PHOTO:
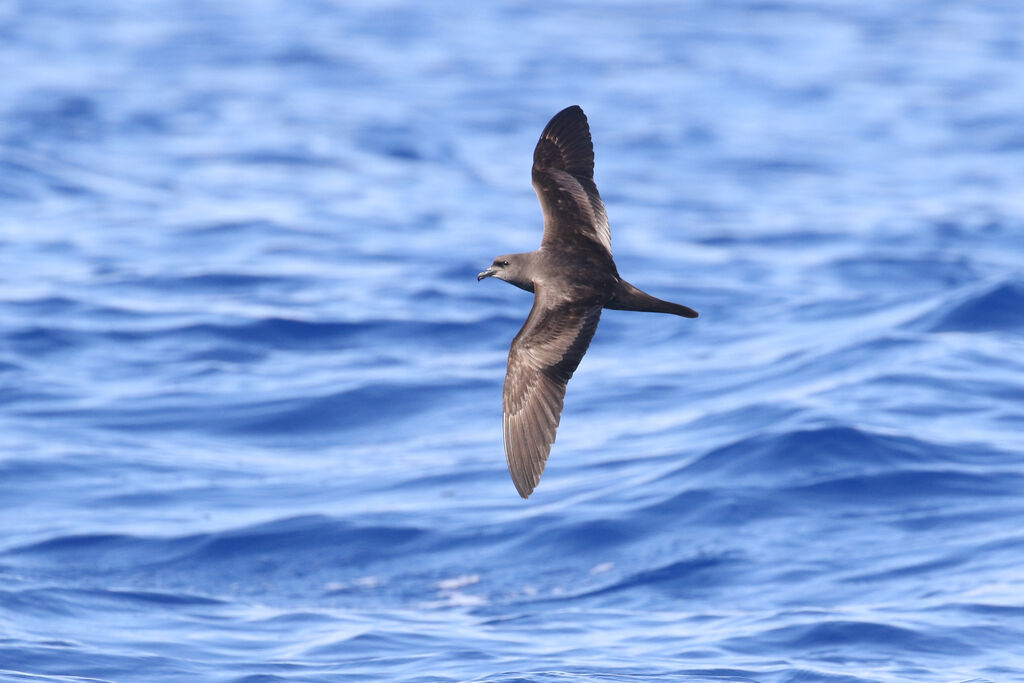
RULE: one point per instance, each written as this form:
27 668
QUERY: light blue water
250 388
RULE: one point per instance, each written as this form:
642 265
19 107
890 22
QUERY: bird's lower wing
543 357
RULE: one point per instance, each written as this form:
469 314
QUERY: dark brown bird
572 277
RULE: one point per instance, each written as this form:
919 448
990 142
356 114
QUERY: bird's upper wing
563 176
543 357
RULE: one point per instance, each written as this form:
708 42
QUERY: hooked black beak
487 273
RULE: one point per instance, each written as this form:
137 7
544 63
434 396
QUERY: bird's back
584 274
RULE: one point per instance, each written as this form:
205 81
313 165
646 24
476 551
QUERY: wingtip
570 115
523 486
566 144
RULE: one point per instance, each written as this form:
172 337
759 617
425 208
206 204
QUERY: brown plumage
572 277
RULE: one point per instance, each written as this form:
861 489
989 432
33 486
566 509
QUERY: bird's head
512 268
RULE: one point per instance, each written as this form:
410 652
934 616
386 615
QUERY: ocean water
250 389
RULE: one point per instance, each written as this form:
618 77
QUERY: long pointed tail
629 298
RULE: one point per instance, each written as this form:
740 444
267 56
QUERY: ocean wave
880 638
808 454
994 308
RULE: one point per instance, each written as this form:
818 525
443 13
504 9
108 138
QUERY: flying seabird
572 277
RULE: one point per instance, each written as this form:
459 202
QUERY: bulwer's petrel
572 277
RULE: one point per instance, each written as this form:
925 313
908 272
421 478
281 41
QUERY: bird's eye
504 263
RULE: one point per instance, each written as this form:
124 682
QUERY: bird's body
572 277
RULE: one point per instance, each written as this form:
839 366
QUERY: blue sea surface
250 389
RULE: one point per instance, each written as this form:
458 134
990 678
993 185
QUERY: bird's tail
629 298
